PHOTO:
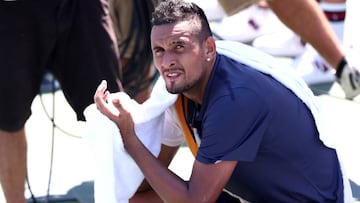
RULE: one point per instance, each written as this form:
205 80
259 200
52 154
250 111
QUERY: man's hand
349 79
112 108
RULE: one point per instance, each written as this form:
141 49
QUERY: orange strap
188 135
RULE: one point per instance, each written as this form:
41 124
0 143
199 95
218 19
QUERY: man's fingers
100 98
122 111
117 103
102 87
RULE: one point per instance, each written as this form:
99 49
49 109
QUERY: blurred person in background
131 19
305 18
72 39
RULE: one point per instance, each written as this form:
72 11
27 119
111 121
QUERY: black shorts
73 39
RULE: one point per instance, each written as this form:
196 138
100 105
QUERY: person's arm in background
306 19
132 29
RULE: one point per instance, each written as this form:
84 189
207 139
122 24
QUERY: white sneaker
312 69
211 8
247 24
284 43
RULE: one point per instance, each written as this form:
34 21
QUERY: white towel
117 176
288 77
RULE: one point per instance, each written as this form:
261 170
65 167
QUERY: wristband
340 67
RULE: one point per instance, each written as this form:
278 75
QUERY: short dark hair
171 11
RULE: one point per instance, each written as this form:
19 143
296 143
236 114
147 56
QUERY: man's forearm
158 176
306 19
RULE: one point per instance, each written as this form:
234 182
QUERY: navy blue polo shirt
250 117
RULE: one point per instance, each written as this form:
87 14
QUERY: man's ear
210 47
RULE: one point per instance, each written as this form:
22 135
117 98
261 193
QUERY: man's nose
168 60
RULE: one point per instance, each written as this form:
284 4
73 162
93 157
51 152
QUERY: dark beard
178 90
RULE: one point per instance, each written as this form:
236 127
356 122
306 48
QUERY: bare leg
13 149
306 19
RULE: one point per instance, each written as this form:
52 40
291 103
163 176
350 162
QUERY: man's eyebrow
156 47
170 43
176 42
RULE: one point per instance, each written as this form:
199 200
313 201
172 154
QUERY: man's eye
158 51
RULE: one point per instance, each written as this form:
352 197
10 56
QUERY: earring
208 59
